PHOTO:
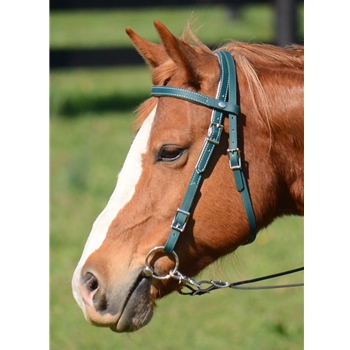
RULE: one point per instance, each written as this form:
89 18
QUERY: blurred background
97 80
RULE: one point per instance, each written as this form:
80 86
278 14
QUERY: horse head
108 283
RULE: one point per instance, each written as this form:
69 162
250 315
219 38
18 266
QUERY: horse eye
170 153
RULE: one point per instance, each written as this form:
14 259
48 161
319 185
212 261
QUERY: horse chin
138 309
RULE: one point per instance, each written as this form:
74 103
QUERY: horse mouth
137 310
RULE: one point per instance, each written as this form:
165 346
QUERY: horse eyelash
171 159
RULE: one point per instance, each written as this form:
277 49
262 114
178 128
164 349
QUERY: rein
225 103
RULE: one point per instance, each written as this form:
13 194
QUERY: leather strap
225 102
235 154
195 97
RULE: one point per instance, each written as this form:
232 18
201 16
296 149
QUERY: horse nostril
92 292
90 281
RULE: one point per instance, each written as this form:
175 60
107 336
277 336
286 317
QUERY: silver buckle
178 226
211 130
233 150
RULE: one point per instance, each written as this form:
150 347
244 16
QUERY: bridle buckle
180 220
232 160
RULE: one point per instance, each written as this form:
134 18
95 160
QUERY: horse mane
265 55
254 59
257 60
257 54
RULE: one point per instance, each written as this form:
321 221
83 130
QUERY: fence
286 28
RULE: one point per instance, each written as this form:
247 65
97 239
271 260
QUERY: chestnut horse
110 283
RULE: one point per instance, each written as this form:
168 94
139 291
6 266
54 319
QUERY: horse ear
184 55
152 53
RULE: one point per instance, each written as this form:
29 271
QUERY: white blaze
125 188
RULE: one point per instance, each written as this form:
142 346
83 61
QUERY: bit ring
148 271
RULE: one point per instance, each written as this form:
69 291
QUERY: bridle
225 103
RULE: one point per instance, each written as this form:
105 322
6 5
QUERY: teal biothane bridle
225 103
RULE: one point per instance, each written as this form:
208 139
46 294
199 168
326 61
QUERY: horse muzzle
125 306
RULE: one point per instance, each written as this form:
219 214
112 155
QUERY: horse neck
274 145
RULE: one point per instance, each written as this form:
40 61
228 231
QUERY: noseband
225 103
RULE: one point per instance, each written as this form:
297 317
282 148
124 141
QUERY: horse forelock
161 74
143 111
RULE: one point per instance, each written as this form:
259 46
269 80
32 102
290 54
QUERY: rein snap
189 286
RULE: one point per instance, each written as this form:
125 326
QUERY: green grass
86 154
97 29
79 91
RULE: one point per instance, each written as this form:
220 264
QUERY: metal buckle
233 150
214 132
178 226
217 125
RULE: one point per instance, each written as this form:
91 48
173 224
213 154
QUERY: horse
251 125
